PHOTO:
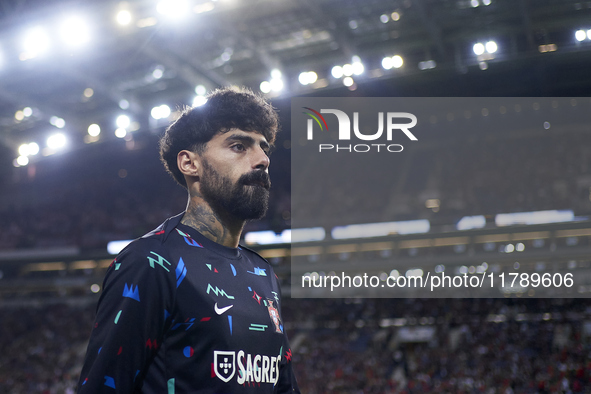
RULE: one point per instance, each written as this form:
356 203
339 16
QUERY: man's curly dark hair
225 109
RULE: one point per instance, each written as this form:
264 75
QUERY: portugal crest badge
274 314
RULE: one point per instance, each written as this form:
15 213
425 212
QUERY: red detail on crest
212 371
96 325
120 350
215 270
288 355
205 319
159 232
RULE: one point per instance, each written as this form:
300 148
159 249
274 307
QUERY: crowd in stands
352 346
352 351
461 177
42 348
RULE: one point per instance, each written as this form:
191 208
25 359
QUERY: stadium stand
354 345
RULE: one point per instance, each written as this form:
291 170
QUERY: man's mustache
260 178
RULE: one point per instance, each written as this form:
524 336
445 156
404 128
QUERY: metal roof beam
337 33
432 28
527 24
192 73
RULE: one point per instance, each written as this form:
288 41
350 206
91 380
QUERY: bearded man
185 309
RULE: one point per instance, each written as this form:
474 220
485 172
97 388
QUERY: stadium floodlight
198 101
56 141
303 78
348 70
276 84
265 86
123 17
337 72
160 112
120 132
478 49
33 148
348 81
307 77
94 130
23 150
276 73
474 3
30 149
173 8
19 115
75 32
589 34
486 2
200 90
164 111
123 121
27 111
157 73
22 160
36 42
123 104
384 18
491 47
397 61
202 8
580 35
387 63
57 122
358 68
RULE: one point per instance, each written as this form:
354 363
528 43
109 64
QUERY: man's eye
238 147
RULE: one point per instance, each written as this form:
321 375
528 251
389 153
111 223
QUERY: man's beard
245 200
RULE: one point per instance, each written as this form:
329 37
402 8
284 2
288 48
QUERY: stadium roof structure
65 65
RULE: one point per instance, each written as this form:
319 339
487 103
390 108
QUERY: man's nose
261 161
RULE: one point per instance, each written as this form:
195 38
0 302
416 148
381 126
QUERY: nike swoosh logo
219 311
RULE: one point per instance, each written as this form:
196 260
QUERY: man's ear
189 164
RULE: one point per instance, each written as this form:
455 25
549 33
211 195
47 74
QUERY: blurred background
87 88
